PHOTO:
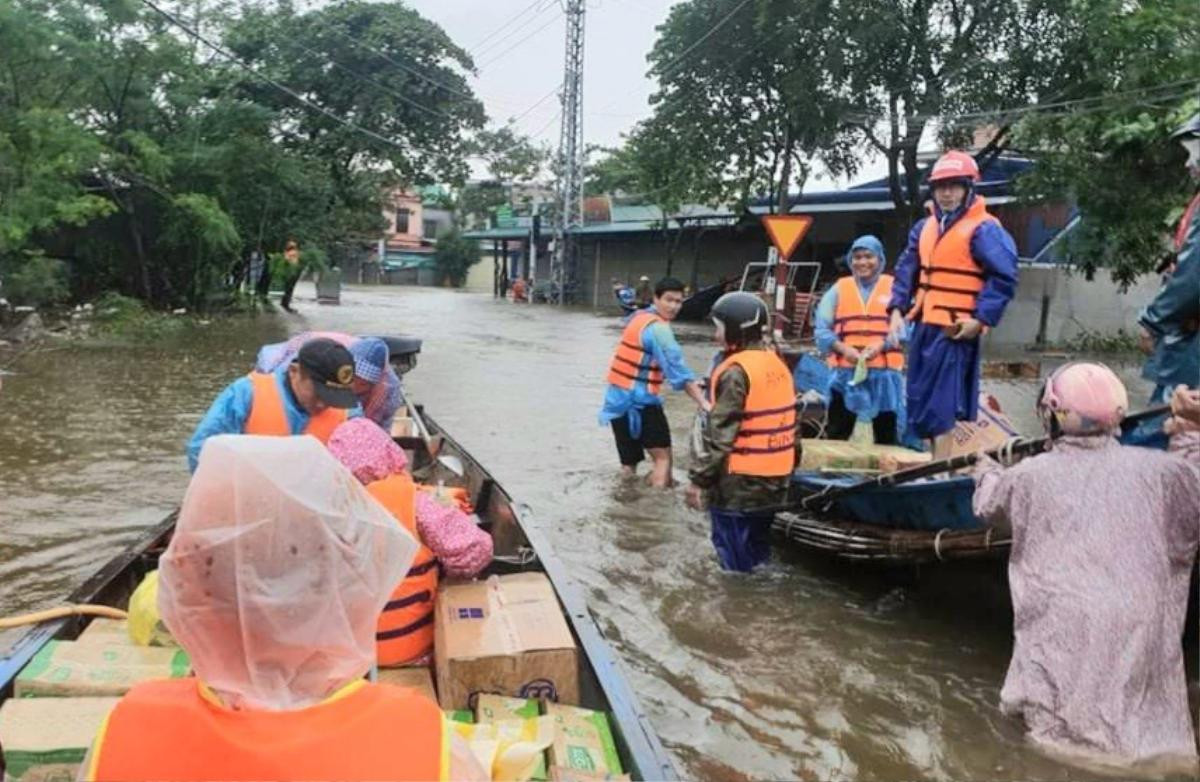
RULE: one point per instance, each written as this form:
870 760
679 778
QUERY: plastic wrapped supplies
279 566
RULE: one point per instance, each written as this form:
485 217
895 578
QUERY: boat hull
518 546
927 505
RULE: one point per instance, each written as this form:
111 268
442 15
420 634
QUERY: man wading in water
646 356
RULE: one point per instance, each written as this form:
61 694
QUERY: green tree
1111 154
509 155
455 256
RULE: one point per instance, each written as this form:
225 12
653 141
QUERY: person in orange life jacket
273 583
750 435
647 355
850 324
955 277
311 395
404 635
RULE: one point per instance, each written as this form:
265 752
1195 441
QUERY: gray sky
518 48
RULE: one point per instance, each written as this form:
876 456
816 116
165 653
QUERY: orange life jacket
268 416
766 438
630 362
864 325
950 280
168 730
405 630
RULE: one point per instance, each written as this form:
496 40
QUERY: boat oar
1017 447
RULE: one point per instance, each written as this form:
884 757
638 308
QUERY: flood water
807 669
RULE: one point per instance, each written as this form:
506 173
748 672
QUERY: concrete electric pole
570 157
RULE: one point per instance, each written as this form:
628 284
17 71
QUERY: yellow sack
509 749
145 625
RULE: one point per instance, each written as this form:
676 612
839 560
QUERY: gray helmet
743 315
1189 128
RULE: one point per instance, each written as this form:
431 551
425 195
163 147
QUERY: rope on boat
37 617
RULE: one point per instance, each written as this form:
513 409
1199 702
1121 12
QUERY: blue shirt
659 341
991 247
231 409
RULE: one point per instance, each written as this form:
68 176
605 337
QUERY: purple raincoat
1104 537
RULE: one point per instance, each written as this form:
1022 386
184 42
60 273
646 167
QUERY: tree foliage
150 164
1111 156
455 256
754 94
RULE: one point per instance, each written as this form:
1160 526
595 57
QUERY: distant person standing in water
292 273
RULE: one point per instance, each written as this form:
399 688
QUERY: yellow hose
36 617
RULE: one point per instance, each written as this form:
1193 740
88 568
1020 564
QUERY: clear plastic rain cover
277 572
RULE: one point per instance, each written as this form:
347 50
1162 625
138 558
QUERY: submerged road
807 669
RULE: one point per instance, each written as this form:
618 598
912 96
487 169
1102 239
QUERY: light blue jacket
231 409
659 341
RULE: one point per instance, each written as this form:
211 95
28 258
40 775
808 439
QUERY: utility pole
570 155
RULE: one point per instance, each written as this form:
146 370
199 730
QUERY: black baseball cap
332 369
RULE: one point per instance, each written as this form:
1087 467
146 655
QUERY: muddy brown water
807 669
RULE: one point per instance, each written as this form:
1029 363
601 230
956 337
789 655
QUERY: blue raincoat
231 409
883 390
943 374
659 341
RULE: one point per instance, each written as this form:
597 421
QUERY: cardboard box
506 635
990 429
560 774
836 455
104 632
494 708
69 668
46 739
582 740
417 678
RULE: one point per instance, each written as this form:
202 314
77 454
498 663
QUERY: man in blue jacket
956 276
647 357
1169 323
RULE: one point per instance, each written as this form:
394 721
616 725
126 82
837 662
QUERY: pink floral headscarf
366 450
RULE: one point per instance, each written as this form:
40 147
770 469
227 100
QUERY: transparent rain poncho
277 572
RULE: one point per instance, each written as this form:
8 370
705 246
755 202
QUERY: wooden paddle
1019 447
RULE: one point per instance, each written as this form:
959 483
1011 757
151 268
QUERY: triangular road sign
786 232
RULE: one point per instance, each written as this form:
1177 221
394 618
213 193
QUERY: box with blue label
507 636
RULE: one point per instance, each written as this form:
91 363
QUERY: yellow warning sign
786 232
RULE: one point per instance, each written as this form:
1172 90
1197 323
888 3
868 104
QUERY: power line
371 80
407 68
678 58
265 79
508 22
497 42
501 55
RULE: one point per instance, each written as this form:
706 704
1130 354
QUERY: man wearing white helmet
1103 540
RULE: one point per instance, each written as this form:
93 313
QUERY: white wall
1075 306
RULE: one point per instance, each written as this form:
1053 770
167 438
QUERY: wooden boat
603 684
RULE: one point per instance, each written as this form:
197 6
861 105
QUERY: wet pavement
807 669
